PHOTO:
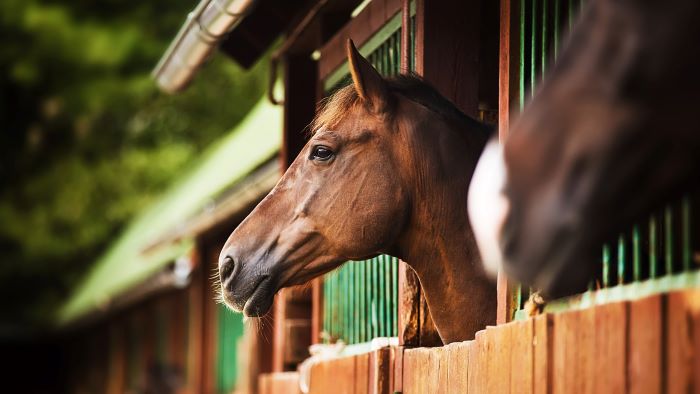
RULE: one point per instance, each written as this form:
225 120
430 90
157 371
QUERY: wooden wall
649 345
367 373
279 383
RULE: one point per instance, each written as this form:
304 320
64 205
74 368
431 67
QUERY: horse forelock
333 109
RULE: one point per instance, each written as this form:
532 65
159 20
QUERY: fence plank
611 323
443 370
564 329
458 366
522 356
645 345
410 371
362 374
584 345
542 354
573 346
499 358
683 343
476 364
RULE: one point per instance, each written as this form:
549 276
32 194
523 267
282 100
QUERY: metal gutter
204 28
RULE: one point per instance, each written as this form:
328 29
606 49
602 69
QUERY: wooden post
210 319
507 106
278 337
448 48
300 103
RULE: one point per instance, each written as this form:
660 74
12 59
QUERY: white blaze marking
487 206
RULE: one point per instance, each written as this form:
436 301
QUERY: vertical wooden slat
522 356
569 328
278 342
409 367
477 379
458 367
682 328
645 345
500 357
543 356
610 347
361 378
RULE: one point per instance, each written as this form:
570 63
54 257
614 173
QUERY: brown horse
612 134
386 171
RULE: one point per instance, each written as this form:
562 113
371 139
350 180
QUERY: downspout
206 25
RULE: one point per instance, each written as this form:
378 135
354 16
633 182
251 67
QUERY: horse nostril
226 268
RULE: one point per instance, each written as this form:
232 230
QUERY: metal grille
661 247
230 331
361 298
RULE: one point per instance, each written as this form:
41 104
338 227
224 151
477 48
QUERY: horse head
341 199
384 171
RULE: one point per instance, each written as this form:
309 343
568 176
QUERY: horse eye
321 153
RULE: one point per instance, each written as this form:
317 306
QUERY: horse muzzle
245 291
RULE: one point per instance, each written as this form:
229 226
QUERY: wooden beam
300 103
278 337
360 29
508 105
316 310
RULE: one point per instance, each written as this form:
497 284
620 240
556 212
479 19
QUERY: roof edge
204 28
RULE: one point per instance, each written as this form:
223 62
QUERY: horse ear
370 86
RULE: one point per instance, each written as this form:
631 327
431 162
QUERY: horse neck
439 244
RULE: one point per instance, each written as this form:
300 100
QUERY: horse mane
333 108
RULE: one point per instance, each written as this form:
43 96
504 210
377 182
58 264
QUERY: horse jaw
487 206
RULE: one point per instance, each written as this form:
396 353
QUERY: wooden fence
648 345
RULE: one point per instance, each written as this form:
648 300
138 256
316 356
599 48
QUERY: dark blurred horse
612 134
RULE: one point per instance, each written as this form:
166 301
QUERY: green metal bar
362 303
571 14
387 295
382 303
327 299
386 60
375 302
344 308
377 40
636 254
521 93
606 266
368 290
533 49
556 28
358 300
353 303
338 304
412 46
687 245
325 303
543 66
621 260
668 239
653 252
396 297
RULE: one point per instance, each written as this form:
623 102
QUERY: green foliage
87 140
